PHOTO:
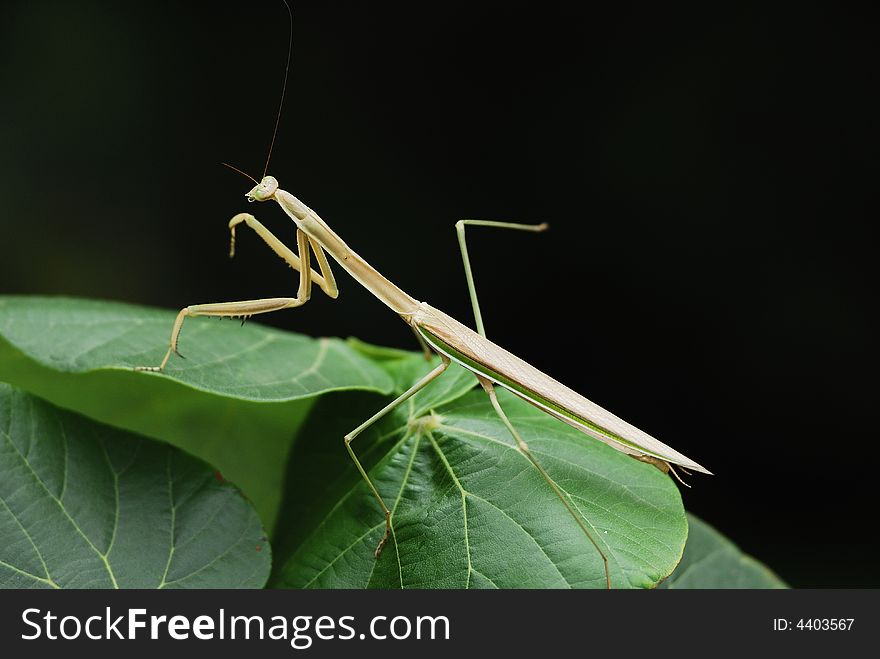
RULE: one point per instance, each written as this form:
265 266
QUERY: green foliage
269 409
85 505
470 511
712 561
236 402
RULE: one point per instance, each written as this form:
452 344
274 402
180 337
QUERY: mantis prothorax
439 333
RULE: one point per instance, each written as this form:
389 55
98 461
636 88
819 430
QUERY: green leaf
237 400
83 505
469 510
712 561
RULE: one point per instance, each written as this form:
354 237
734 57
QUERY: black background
709 173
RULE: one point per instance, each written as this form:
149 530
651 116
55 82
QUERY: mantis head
264 190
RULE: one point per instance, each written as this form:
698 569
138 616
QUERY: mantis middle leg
421 384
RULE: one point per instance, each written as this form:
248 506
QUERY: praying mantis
437 333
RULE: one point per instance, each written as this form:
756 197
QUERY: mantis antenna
280 104
283 87
236 169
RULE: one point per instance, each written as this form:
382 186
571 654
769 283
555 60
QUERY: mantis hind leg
462 243
421 384
524 449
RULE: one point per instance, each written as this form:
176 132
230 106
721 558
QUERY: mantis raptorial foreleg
524 449
248 308
421 384
325 280
459 228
